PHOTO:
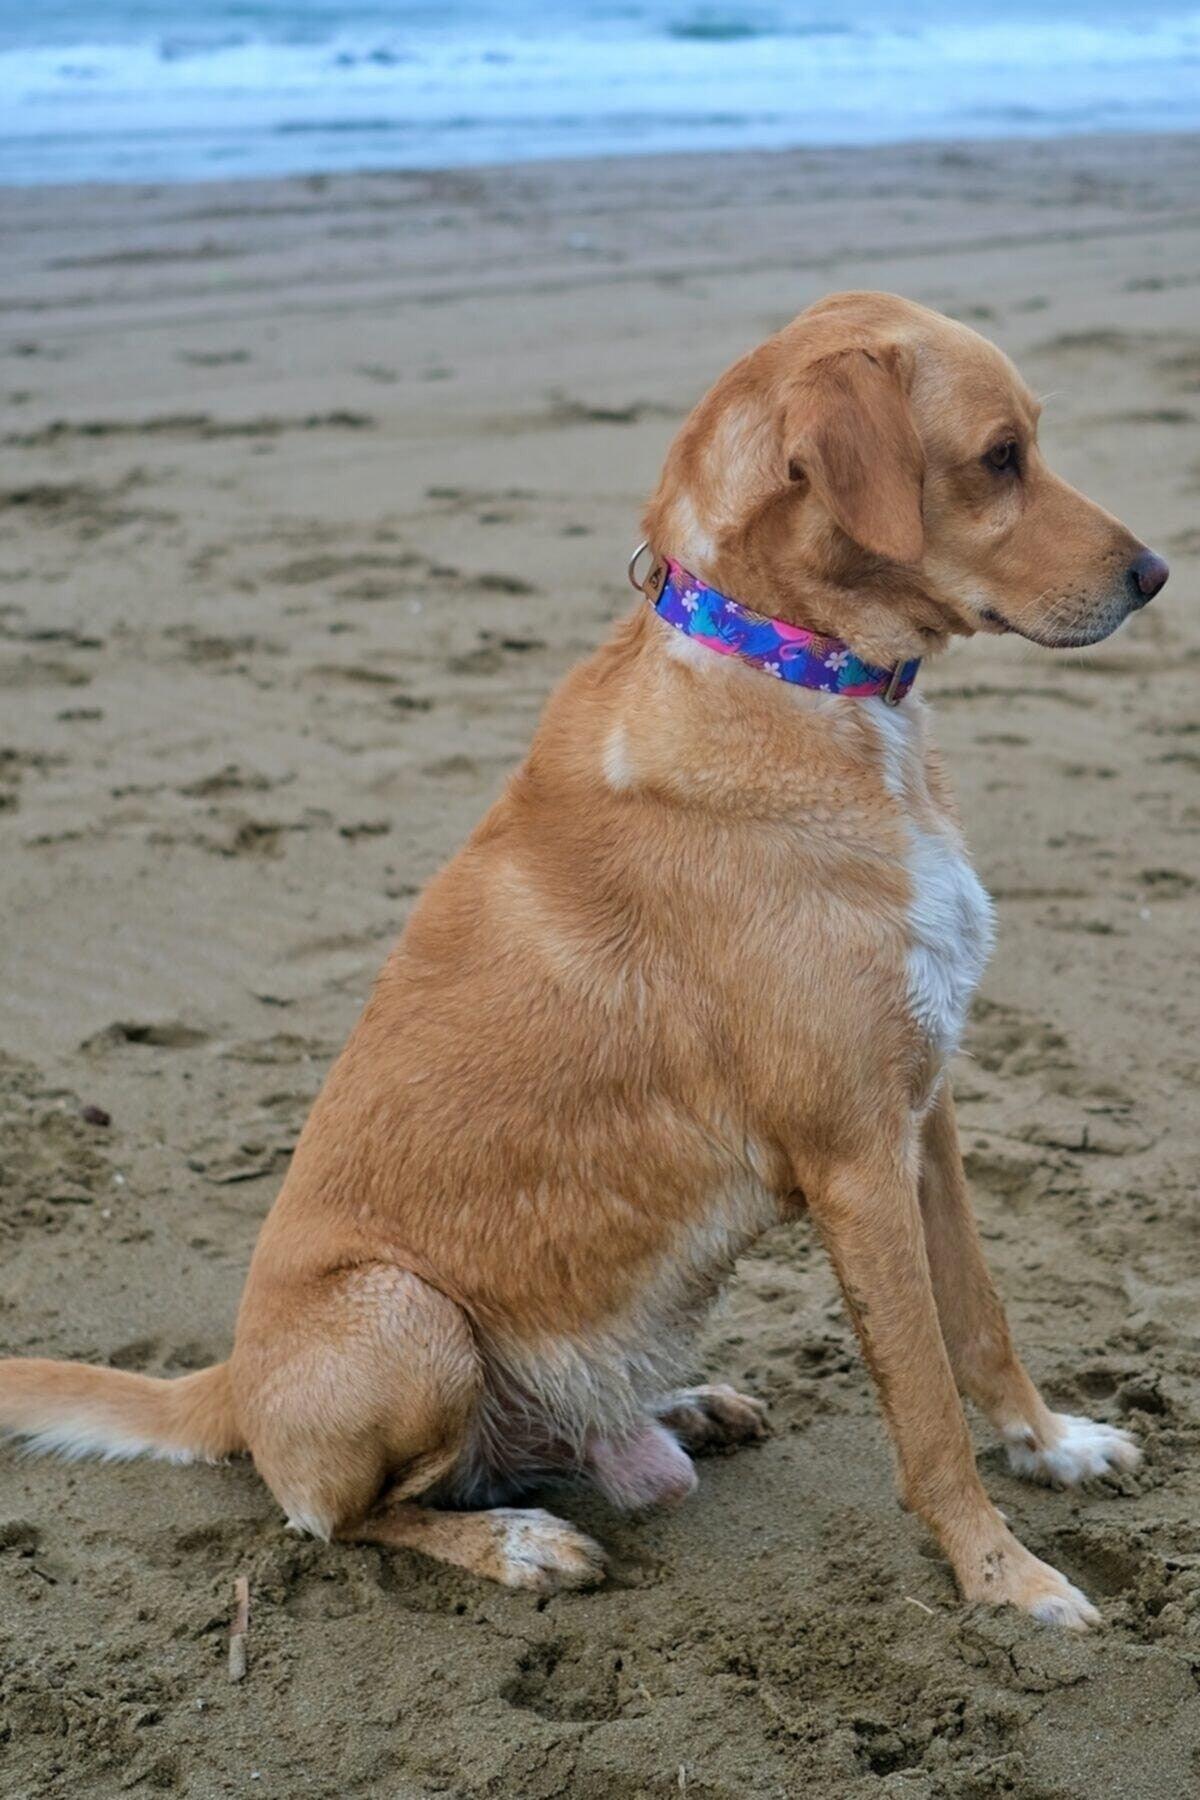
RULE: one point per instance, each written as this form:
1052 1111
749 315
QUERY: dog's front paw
1081 1450
1005 1573
714 1418
1051 1599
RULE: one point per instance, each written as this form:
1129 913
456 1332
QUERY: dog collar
785 651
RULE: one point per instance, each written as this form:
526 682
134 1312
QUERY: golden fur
698 968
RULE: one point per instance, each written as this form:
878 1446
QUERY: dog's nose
1146 574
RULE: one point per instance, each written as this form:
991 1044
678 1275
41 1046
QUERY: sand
309 491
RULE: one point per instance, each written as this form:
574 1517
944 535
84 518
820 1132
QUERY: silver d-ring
632 566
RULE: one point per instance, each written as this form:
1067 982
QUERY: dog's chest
950 924
950 936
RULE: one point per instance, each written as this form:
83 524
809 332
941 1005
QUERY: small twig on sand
920 1603
239 1626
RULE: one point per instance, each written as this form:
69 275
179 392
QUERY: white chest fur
950 936
950 917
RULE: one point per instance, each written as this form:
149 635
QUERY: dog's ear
849 433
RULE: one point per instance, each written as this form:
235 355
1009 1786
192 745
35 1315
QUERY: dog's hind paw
1081 1450
713 1418
532 1549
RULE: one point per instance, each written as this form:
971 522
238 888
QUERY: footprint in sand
213 359
1166 884
1007 1042
306 571
200 647
355 674
447 768
279 1048
491 653
51 1164
200 427
159 1034
85 508
14 765
561 1680
25 672
232 779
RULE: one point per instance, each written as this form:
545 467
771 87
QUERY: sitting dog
699 969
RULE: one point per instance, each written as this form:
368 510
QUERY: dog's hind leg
519 1546
363 1400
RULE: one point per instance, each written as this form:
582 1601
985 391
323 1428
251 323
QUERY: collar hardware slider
891 694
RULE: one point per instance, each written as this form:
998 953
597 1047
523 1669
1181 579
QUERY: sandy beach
309 492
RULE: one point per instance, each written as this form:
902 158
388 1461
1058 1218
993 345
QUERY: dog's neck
658 712
885 614
720 625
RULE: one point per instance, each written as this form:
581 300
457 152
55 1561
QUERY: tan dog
700 967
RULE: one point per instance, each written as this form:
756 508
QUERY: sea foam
182 93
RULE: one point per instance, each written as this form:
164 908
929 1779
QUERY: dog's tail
76 1410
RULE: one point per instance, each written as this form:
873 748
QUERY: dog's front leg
869 1215
1046 1446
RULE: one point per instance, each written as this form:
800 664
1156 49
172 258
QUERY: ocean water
163 90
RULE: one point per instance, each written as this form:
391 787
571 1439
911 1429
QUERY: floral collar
786 651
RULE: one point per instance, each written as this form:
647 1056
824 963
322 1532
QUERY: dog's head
873 471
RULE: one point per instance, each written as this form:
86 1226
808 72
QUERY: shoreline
1140 138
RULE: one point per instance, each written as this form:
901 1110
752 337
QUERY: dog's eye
1002 457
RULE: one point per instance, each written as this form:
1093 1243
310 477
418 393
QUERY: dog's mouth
1076 640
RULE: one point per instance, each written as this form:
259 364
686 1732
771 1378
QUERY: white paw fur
1081 1450
1068 1609
538 1551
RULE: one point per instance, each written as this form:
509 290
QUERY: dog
698 970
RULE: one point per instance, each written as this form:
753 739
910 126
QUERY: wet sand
309 491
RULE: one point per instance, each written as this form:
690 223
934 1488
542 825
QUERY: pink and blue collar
785 651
